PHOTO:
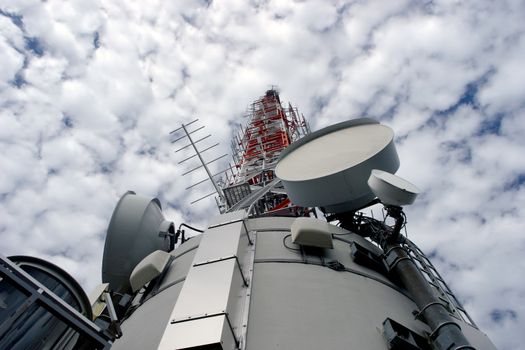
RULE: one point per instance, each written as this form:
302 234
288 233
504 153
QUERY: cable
284 243
180 233
190 227
336 265
341 234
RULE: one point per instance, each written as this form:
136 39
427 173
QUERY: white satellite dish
392 189
330 167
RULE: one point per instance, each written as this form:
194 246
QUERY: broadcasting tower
256 147
291 261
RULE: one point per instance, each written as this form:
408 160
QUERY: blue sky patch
96 40
467 98
16 19
19 80
515 183
501 315
34 45
67 121
459 149
491 125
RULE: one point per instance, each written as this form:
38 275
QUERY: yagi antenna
187 134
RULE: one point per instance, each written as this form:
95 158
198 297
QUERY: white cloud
100 84
11 61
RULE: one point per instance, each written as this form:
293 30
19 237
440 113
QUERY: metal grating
236 193
434 278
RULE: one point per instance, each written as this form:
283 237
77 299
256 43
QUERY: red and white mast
256 147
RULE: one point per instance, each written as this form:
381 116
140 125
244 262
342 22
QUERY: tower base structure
243 284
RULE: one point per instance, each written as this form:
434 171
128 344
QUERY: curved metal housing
56 279
42 306
137 228
293 298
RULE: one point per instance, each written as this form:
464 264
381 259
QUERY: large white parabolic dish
330 167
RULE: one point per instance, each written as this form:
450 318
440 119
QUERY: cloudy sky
89 91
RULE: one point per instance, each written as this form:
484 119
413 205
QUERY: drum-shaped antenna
56 280
30 325
330 167
392 189
137 228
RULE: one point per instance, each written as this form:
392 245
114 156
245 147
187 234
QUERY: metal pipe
193 142
203 197
183 136
193 121
446 333
193 156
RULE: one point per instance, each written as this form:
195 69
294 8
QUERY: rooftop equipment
43 307
329 168
391 189
268 273
137 228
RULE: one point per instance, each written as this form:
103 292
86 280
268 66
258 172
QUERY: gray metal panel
179 268
270 223
300 306
227 218
190 244
210 289
199 332
213 287
219 243
270 247
303 306
144 328
207 289
283 224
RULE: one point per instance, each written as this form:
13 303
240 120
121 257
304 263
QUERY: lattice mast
270 128
256 146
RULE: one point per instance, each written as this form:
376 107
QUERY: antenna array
184 132
256 147
250 183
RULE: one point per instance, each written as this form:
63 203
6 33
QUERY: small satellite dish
392 189
330 167
136 229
